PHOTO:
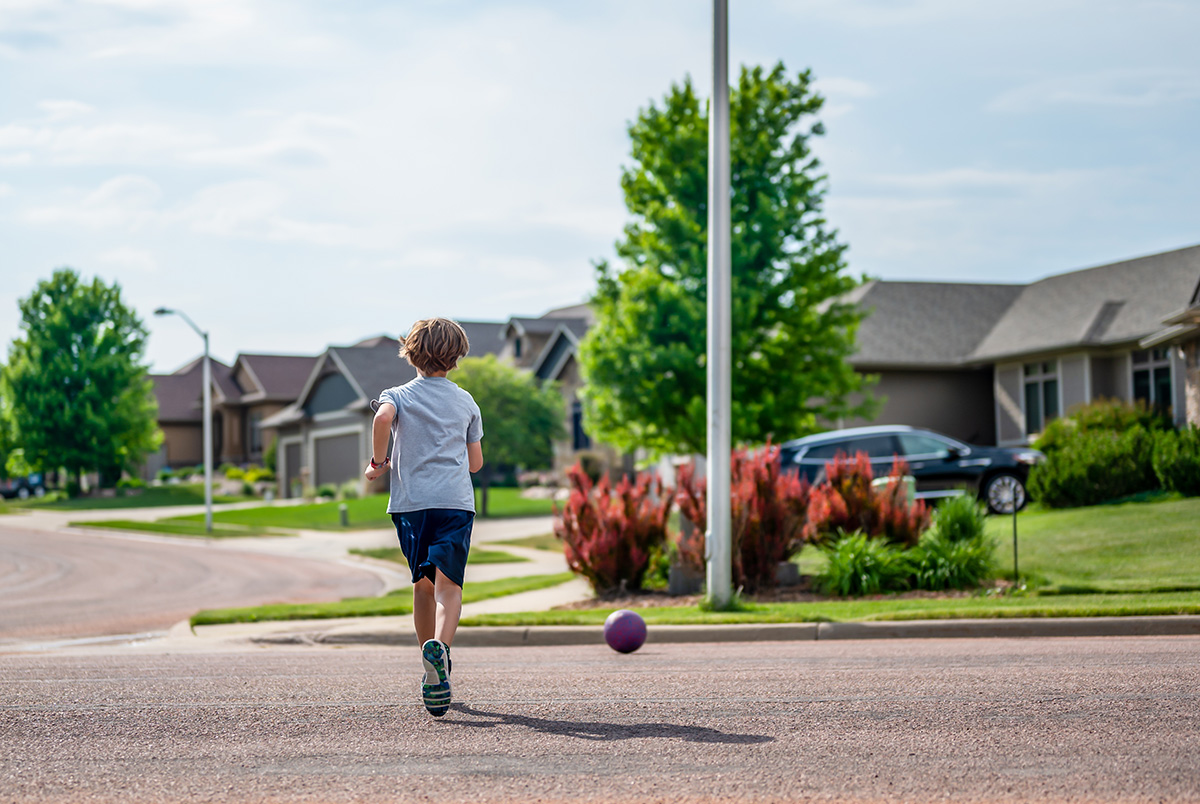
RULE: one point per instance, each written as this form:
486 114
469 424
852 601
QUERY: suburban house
548 347
1183 333
993 363
325 433
253 388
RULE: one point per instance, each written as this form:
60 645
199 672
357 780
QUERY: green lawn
476 556
220 530
152 497
365 513
1113 605
1131 547
398 602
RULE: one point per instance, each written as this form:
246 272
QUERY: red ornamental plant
769 511
609 534
848 502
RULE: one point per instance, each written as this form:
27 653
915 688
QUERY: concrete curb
395 634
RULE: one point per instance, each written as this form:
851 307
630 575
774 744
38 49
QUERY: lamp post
719 539
207 432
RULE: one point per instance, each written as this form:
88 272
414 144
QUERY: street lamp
208 522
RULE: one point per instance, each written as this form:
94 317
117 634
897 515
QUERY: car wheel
1004 493
40 491
23 493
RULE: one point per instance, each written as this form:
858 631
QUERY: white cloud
1107 88
124 202
840 87
57 110
102 144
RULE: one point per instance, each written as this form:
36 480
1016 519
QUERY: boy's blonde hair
434 344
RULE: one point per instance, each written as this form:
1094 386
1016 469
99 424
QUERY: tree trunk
485 480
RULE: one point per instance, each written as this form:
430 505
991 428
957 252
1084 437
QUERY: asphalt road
56 585
1033 720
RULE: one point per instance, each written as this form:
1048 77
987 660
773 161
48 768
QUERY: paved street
1114 719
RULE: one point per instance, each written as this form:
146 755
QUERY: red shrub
769 510
848 501
608 534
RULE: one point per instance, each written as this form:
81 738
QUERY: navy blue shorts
435 537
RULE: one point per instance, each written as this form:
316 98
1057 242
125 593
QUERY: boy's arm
475 456
381 428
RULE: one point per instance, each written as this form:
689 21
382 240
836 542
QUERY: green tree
520 418
80 396
644 360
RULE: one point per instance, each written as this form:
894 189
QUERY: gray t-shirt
435 420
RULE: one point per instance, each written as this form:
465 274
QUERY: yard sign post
718 540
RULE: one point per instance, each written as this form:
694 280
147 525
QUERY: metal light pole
719 539
207 432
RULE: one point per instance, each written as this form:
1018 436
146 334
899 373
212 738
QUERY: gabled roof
926 324
179 394
1112 304
280 378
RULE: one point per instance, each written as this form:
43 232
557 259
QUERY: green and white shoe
435 687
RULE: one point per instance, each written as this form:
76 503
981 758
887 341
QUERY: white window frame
1149 366
1040 378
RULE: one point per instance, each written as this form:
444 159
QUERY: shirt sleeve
475 426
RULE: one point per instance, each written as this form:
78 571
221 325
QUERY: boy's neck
431 374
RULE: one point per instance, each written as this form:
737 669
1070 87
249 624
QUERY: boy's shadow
605 731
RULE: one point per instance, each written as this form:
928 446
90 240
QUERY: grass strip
876 610
394 603
545 541
152 497
171 528
476 556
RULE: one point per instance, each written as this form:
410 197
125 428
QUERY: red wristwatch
386 460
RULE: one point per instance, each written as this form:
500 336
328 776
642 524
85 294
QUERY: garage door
337 458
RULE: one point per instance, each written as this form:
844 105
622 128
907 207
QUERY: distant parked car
22 487
941 466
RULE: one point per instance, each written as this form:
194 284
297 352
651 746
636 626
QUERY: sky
296 174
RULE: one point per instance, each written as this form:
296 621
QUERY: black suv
22 487
941 466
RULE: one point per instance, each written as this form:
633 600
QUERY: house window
1152 378
579 439
517 348
1041 395
254 437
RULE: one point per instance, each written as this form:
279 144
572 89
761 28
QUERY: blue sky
296 174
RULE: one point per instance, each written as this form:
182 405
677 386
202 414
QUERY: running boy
436 428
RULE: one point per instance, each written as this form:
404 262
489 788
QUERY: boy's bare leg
448 596
424 610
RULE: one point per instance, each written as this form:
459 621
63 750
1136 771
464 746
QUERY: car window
880 446
824 452
917 444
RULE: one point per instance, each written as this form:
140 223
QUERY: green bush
859 565
1177 460
1093 467
127 483
271 455
232 472
1102 415
327 490
256 473
349 490
941 563
959 519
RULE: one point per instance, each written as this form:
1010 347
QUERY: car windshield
923 444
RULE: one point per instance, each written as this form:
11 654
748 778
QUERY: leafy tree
644 360
80 396
520 419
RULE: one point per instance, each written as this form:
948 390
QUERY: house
993 363
325 433
253 388
1182 333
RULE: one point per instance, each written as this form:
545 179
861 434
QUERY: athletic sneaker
435 687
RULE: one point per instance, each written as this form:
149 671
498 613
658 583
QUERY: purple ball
625 631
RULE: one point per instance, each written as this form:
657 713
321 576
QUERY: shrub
256 473
609 535
233 472
164 475
131 483
271 454
1099 416
940 562
769 511
1177 460
959 519
848 502
860 565
349 490
1096 466
327 490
